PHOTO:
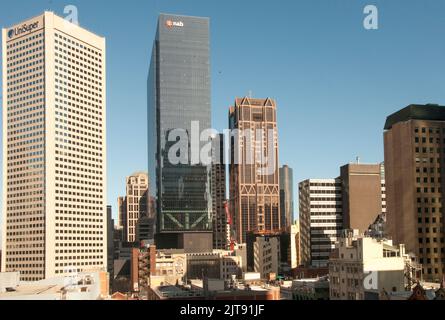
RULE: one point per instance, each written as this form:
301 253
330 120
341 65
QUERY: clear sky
334 81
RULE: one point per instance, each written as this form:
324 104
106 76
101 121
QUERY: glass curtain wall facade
178 95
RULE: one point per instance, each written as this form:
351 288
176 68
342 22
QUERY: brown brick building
362 195
414 169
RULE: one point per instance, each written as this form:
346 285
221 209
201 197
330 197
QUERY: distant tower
134 205
286 196
218 189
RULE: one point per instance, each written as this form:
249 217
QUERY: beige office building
254 190
266 252
134 205
362 263
54 151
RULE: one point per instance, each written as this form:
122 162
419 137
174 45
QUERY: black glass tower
178 95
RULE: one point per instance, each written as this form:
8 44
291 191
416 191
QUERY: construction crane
230 223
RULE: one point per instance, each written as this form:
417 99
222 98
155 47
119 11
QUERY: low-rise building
362 263
264 253
81 286
213 289
240 250
175 266
311 289
303 272
231 266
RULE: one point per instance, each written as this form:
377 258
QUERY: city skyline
354 50
209 215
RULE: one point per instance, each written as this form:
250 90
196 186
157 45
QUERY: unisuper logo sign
25 28
170 24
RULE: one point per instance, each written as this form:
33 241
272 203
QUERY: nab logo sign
170 24
11 33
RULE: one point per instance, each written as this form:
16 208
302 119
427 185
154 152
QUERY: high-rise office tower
363 196
221 232
286 196
321 219
179 109
134 205
254 170
54 149
414 170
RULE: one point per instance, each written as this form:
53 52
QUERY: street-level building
361 263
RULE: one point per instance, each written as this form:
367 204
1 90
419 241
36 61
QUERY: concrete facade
54 149
363 263
266 253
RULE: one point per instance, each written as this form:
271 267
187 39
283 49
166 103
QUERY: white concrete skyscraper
54 149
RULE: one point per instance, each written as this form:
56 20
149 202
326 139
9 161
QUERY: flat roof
181 15
31 290
433 112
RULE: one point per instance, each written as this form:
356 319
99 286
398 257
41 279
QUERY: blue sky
334 81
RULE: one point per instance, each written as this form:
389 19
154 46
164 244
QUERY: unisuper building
54 149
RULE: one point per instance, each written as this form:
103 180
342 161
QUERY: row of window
97 54
26 98
29 56
29 103
26 66
431 240
15 44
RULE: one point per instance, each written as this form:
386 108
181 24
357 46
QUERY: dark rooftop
432 112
